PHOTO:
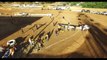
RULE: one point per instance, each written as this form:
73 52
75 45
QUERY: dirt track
72 44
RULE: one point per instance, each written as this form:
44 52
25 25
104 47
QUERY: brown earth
68 44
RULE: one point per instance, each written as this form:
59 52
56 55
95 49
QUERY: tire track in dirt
97 46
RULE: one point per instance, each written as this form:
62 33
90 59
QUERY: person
6 54
56 32
63 17
11 43
22 30
56 22
2 50
47 37
31 42
64 27
39 44
83 26
12 51
59 29
79 23
68 26
86 27
74 27
37 26
9 53
43 39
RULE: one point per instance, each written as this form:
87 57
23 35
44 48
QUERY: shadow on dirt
50 33
10 25
91 20
105 30
40 25
70 55
98 24
77 55
40 34
21 45
100 37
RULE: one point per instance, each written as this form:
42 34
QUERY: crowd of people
95 12
82 27
38 42
9 50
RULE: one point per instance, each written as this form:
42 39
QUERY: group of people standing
69 27
38 43
10 49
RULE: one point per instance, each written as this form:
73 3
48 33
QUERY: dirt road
68 44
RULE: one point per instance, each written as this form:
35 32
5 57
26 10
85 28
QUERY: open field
68 44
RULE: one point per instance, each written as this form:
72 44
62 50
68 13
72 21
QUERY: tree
94 5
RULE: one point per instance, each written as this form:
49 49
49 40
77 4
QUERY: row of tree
90 4
94 5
